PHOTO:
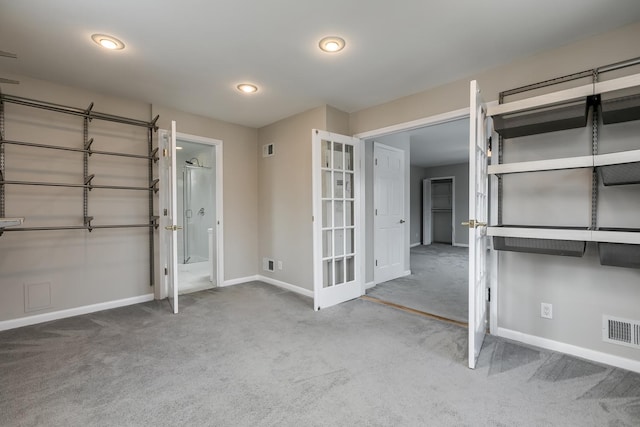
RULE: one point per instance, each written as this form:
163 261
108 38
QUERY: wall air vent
268 150
621 331
268 264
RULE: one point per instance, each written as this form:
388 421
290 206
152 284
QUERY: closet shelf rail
72 185
86 113
80 150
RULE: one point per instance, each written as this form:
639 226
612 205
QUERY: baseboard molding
239 281
462 245
70 312
287 286
413 245
369 285
406 273
585 353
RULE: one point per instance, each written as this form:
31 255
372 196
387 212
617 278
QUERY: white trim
369 285
416 124
218 145
585 353
413 245
70 312
461 245
287 286
406 273
453 204
616 84
239 280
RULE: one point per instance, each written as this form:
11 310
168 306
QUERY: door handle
472 223
402 221
173 227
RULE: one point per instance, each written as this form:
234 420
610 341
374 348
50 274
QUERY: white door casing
338 248
388 216
478 216
168 222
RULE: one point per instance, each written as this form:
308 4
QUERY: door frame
429 215
219 244
404 202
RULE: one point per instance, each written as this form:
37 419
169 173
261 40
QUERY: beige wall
611 47
82 268
285 199
240 185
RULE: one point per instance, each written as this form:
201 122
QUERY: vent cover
621 331
268 264
268 150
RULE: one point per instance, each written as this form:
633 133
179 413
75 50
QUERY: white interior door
337 221
478 214
168 221
389 216
427 238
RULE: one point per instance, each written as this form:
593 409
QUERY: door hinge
165 152
166 271
166 212
376 162
376 211
489 294
376 263
312 218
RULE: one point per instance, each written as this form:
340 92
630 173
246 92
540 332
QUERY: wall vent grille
268 264
268 150
621 331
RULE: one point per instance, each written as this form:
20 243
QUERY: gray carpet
438 283
254 355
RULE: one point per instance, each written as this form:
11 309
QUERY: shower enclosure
198 211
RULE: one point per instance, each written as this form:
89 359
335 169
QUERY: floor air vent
621 331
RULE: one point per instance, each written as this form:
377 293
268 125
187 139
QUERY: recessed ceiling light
332 44
247 88
108 42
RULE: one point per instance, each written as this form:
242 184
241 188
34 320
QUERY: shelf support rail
594 151
85 165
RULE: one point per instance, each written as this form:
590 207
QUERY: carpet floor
438 283
255 355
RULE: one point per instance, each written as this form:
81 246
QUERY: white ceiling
191 54
439 145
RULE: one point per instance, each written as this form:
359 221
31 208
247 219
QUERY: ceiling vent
621 331
268 150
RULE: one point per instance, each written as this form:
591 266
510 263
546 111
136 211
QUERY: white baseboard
287 286
239 280
585 353
462 245
413 245
77 311
406 273
369 285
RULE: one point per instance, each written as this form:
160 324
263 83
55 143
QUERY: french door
478 214
337 223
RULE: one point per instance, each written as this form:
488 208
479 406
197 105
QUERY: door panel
389 222
168 221
478 214
337 223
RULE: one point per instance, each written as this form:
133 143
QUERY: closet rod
89 186
88 113
77 150
619 65
76 227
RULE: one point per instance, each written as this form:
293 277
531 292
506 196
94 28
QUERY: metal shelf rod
76 227
89 186
77 150
76 111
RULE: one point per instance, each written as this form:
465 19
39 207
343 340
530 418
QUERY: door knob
402 221
173 227
472 223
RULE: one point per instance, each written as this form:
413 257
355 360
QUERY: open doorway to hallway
434 279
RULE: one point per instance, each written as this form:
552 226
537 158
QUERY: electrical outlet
279 265
546 310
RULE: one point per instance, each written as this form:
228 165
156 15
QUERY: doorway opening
434 279
197 212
